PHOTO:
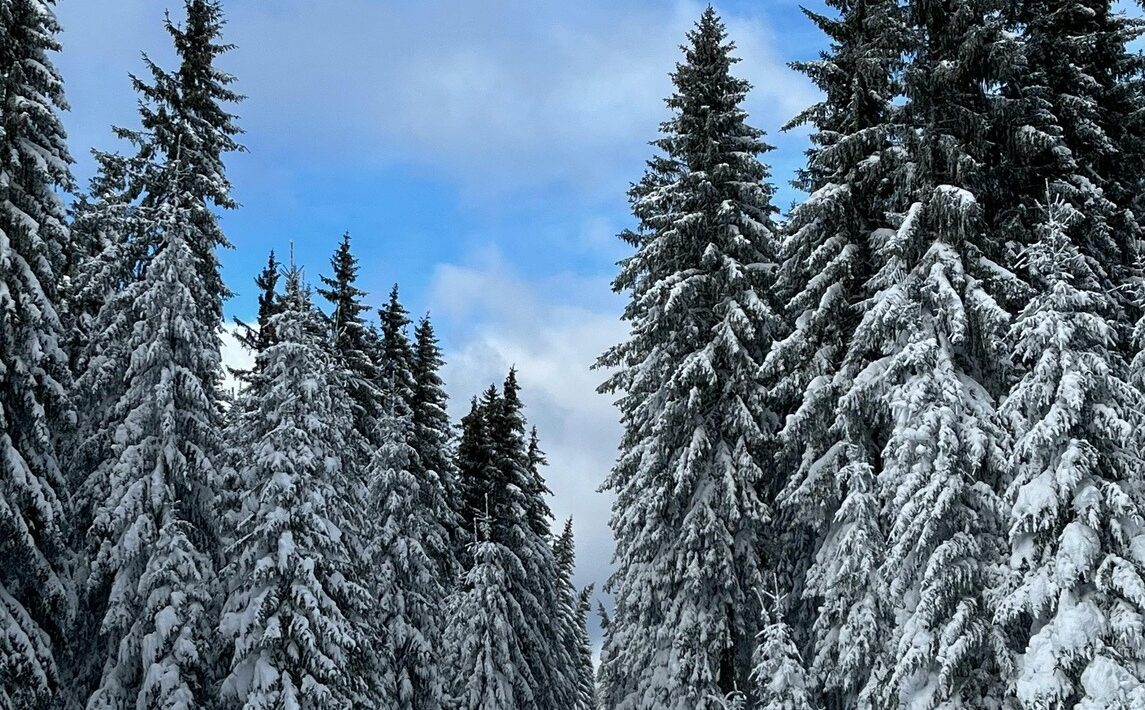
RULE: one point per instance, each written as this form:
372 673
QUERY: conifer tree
261 336
34 377
573 611
153 535
477 475
522 519
501 486
432 440
1077 95
586 698
295 606
149 389
97 262
408 591
395 363
1075 601
931 362
688 516
233 500
778 675
829 445
487 664
351 340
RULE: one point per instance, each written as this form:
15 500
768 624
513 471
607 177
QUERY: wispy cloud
499 96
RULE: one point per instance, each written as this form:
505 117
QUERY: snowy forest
883 451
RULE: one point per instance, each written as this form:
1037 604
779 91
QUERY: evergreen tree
930 363
586 698
688 516
1075 600
98 262
432 440
1077 101
487 665
408 593
501 487
829 445
395 364
573 617
522 519
477 474
780 682
351 340
153 534
34 377
261 336
149 389
294 607
538 514
233 500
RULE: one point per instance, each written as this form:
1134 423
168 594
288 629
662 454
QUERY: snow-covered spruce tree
260 336
585 668
1077 94
395 362
295 607
432 440
688 515
777 675
830 526
34 377
149 390
352 341
1075 599
523 523
153 535
409 596
97 261
477 474
233 501
411 371
931 346
502 488
573 610
487 667
537 511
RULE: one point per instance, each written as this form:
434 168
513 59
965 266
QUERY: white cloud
235 357
496 97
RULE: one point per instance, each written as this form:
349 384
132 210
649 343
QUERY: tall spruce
479 491
432 440
523 521
260 336
573 610
1077 103
487 665
352 341
502 489
829 445
153 535
689 515
395 362
407 585
587 697
931 363
150 390
1075 602
34 376
295 609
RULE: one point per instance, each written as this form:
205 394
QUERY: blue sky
477 152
